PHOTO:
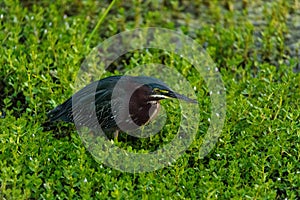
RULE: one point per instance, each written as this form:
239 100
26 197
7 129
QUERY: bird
116 103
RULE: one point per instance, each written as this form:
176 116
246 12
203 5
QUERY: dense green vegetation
255 45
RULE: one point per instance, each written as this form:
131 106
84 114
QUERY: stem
100 22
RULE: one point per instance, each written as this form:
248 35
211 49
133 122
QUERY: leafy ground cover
255 45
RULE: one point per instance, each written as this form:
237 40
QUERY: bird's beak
175 95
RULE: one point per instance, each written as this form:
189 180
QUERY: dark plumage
121 103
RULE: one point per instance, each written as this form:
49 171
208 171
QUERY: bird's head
153 90
159 92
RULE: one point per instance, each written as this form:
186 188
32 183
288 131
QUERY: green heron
117 103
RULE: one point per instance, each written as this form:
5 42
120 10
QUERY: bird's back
81 103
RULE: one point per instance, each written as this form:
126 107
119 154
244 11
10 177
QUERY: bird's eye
156 90
160 91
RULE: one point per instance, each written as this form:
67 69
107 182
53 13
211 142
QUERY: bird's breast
153 111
